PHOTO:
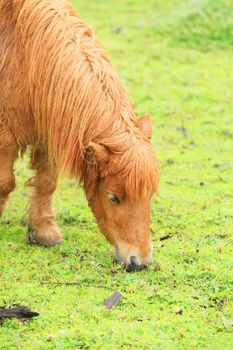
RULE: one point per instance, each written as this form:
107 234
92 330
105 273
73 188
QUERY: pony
61 98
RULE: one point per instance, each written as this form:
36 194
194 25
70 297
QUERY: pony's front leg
42 228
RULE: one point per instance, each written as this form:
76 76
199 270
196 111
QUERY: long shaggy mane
75 97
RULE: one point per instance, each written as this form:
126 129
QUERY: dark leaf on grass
17 312
113 300
166 237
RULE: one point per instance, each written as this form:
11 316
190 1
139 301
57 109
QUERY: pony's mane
75 95
137 167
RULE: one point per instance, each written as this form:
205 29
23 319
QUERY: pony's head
119 194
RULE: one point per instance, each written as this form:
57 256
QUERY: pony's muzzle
131 259
134 265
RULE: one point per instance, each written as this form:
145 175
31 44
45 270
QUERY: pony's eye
113 198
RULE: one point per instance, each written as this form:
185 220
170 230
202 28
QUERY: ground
176 59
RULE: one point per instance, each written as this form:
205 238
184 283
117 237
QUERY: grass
176 59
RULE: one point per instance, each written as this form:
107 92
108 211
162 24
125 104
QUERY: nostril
133 262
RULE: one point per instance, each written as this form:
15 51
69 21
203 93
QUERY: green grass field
176 58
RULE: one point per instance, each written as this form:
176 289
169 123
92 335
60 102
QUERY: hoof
49 237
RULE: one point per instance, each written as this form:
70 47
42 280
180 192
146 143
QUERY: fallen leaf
113 300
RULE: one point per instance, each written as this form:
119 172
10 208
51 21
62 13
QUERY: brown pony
60 95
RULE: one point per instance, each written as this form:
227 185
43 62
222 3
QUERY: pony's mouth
132 263
134 266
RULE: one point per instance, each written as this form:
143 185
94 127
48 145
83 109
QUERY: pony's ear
145 125
99 152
